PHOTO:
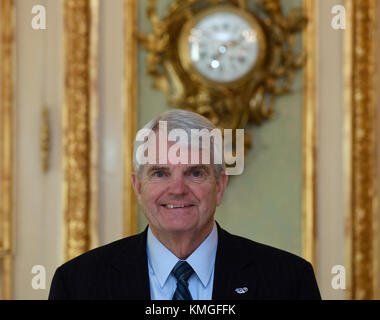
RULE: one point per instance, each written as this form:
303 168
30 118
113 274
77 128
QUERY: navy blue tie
182 272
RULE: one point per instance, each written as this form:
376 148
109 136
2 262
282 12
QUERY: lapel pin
241 290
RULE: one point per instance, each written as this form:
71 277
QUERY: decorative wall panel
309 133
130 112
80 121
361 58
6 141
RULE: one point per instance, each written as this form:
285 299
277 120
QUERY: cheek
151 192
205 194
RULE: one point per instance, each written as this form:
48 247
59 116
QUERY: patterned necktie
182 272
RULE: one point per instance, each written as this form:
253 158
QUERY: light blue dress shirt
161 262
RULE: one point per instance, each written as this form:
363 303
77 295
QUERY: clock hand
217 56
232 44
221 51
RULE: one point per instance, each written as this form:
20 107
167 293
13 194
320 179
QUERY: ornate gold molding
45 138
309 132
79 122
130 112
361 58
6 153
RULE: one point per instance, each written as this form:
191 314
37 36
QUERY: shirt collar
201 260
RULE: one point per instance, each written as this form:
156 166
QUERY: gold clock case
250 99
183 46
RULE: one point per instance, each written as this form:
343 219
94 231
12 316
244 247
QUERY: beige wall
37 207
111 120
330 164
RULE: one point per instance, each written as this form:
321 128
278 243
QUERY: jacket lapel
229 273
129 277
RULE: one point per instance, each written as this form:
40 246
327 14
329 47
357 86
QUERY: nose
178 185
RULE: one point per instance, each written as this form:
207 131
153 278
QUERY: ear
221 185
136 184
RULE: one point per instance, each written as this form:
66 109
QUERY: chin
179 224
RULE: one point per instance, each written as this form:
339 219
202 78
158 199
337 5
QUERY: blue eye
196 174
159 174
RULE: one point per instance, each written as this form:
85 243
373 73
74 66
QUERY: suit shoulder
276 273
267 253
100 255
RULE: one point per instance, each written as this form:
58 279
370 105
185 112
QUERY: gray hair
178 119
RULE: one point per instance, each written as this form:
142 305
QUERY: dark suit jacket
119 270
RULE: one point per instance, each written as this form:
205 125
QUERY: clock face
223 45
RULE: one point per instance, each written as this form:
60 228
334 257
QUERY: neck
182 244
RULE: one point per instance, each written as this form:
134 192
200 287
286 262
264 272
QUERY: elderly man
183 254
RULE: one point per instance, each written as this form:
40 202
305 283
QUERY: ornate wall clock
222 46
227 60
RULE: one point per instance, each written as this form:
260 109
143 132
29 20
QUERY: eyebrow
157 168
191 167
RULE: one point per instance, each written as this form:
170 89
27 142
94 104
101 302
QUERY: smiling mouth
176 206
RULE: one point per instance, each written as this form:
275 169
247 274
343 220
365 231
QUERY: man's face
179 197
